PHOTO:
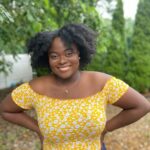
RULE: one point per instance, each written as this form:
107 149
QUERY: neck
69 80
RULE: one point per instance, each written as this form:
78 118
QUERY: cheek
76 61
52 64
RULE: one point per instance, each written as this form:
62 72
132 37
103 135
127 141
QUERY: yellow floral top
70 124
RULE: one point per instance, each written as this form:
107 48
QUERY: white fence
21 71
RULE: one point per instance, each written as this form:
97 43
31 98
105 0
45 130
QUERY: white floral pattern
71 123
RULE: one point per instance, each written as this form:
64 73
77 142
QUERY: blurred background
123 50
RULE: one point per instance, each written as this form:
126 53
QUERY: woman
70 103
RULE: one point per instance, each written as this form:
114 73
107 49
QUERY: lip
64 68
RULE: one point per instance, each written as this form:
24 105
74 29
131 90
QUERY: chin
64 75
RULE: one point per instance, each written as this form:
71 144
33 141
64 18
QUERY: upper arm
132 99
19 99
8 105
120 94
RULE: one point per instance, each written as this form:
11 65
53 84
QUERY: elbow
1 110
146 108
4 115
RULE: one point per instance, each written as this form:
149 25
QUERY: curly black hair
80 35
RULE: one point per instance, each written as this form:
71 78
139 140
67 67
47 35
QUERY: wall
21 71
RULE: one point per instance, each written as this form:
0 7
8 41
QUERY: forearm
22 119
124 118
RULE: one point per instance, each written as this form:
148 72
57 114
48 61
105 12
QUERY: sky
129 6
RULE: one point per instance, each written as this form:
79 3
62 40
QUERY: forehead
59 45
57 42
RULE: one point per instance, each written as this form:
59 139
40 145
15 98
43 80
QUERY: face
64 61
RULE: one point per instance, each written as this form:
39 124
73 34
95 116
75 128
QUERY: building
21 71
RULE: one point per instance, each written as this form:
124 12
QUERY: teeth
64 68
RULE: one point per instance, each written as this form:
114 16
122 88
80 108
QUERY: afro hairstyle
80 35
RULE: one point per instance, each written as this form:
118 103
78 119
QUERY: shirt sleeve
22 96
114 90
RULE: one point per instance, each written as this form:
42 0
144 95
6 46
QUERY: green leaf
29 16
37 26
46 2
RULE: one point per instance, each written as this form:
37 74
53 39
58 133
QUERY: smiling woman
64 61
70 103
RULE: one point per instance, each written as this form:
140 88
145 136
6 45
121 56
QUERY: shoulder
97 78
40 83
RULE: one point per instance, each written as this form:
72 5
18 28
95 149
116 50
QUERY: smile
64 69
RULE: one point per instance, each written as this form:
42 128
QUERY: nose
63 60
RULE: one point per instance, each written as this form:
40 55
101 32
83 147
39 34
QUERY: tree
129 23
114 57
29 17
34 16
139 66
118 22
5 16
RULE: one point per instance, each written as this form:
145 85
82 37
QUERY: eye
69 53
53 56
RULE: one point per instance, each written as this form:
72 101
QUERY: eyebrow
70 48
64 50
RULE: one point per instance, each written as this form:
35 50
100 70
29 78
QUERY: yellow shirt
71 123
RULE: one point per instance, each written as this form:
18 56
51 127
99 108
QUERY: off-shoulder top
71 124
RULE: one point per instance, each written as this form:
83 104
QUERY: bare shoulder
98 78
40 83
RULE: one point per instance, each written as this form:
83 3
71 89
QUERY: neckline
70 99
